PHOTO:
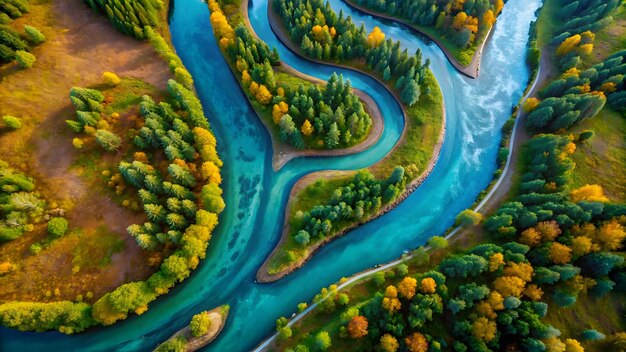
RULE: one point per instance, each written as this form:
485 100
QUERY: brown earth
80 46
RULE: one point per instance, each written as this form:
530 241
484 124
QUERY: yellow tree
554 344
416 342
495 300
459 21
572 345
530 104
496 261
509 286
375 37
484 329
568 44
533 292
498 6
590 193
610 235
391 302
582 245
530 237
489 18
560 253
428 285
406 287
549 230
211 172
263 95
522 270
307 128
388 343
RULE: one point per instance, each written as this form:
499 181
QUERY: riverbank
283 152
472 70
494 198
217 317
264 274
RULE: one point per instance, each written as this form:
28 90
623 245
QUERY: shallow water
255 195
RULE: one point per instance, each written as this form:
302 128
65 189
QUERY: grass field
97 255
602 160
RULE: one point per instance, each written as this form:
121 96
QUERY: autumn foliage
357 327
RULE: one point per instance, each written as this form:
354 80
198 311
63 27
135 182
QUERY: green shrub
57 227
200 324
108 140
12 122
34 35
25 59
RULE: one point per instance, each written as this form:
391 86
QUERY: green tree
332 138
12 122
34 35
200 324
25 59
57 227
468 217
322 340
109 141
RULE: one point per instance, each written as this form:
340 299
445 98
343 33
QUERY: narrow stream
255 195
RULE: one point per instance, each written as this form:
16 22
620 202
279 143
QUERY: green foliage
468 218
351 43
25 59
361 197
18 203
108 140
200 324
323 341
57 227
129 17
178 344
34 35
12 122
437 242
67 317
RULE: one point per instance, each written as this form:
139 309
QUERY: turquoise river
256 195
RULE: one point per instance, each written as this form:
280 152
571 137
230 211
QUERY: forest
549 246
306 115
464 23
16 46
167 160
323 35
580 92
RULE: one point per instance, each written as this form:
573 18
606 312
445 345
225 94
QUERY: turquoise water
255 195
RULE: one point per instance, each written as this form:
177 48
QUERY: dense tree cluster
15 46
67 317
19 203
459 20
363 196
581 94
490 297
130 17
12 9
181 204
321 34
306 115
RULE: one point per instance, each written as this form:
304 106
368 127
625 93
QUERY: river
256 195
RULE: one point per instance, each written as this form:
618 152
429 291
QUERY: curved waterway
256 195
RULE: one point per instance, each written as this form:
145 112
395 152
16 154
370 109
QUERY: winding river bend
256 196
